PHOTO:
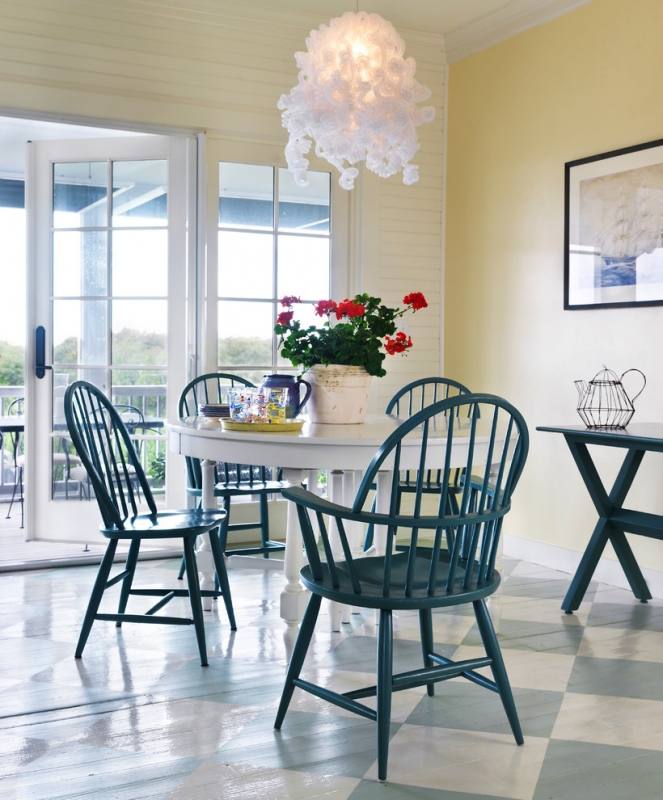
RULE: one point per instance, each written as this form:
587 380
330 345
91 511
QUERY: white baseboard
551 555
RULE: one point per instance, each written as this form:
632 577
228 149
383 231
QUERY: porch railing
150 399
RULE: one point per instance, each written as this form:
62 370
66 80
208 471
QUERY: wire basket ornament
604 403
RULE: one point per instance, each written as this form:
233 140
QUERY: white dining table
344 451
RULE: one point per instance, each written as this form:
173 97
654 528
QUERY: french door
111 279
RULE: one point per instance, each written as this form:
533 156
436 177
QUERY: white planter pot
340 394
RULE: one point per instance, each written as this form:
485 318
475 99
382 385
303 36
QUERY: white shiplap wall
220 66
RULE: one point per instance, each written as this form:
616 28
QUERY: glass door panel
104 224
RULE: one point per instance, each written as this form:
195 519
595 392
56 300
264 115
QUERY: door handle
40 352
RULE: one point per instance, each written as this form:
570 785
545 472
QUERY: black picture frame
571 168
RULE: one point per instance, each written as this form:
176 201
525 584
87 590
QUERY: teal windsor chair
494 446
114 470
231 480
407 401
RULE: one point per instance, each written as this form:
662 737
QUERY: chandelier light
356 98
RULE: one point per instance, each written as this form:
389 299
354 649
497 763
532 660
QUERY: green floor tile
582 771
472 708
617 677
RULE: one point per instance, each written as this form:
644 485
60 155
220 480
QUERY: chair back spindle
106 451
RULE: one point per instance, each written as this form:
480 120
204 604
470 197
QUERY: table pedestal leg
355 530
294 596
382 500
337 613
204 553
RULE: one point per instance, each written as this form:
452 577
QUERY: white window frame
220 150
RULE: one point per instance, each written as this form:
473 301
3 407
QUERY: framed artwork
613 243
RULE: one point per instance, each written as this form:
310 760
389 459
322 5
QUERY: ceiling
15 132
467 25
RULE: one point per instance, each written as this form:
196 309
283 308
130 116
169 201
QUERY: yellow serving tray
263 427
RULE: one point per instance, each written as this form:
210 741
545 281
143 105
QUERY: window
110 297
274 239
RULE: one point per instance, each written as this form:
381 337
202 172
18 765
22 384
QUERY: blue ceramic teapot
293 386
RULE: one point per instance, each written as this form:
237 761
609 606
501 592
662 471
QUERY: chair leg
384 689
194 596
499 670
223 542
20 496
97 593
130 566
426 630
298 655
180 574
15 487
222 576
264 524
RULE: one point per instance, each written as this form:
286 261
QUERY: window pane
139 332
140 263
12 301
246 264
304 208
80 194
79 332
303 267
141 396
62 377
69 478
246 196
79 263
245 333
140 193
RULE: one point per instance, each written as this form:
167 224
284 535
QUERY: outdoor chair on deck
16 408
109 457
231 480
458 568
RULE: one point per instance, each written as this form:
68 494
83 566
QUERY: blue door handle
40 352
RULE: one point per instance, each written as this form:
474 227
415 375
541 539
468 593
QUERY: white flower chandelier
356 98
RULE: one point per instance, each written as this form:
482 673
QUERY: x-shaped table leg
605 530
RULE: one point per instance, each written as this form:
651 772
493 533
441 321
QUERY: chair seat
370 573
167 524
243 487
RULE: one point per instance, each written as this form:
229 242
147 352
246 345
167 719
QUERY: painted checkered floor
138 717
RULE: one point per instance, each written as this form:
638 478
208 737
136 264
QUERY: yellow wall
220 66
588 82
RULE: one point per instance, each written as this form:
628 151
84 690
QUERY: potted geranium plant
342 353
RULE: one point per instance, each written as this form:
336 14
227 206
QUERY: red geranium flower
289 300
284 318
399 344
324 307
348 308
415 300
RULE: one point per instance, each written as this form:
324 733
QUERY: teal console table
614 520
